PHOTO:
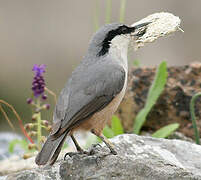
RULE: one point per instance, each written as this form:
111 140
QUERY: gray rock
138 158
2 177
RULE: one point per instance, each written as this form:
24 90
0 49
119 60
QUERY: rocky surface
172 106
138 158
16 163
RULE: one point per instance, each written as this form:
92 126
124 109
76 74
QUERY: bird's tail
50 150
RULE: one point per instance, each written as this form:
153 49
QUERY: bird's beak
140 29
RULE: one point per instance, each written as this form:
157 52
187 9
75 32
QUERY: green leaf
23 144
65 145
107 131
165 131
193 117
117 127
154 92
12 145
136 63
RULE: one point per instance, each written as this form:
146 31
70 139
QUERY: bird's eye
124 29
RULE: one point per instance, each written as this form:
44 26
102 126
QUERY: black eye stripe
124 30
111 34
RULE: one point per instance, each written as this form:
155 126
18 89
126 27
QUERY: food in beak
155 26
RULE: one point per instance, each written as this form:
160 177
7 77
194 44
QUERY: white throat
119 49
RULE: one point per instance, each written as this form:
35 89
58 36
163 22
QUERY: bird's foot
95 145
113 151
71 154
94 149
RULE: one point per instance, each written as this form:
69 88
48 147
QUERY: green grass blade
108 11
140 119
192 111
122 11
154 92
107 132
65 145
117 127
158 84
23 144
12 145
136 63
165 131
96 15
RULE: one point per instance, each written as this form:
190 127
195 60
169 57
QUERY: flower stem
52 93
122 10
39 126
192 111
6 116
18 118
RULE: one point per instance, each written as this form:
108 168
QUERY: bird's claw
93 149
71 154
95 145
113 152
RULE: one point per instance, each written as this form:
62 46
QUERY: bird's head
115 35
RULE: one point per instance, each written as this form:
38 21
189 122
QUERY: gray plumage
89 81
89 90
99 78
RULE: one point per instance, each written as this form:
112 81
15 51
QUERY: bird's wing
87 93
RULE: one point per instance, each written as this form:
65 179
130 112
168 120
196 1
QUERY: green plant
38 103
136 63
122 11
192 111
116 128
28 148
22 143
33 129
108 12
165 131
108 132
96 15
16 115
154 92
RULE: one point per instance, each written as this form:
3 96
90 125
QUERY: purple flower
39 69
38 84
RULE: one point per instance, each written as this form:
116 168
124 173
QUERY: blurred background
56 33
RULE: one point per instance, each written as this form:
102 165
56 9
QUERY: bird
94 91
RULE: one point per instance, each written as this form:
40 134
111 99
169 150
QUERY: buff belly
100 119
